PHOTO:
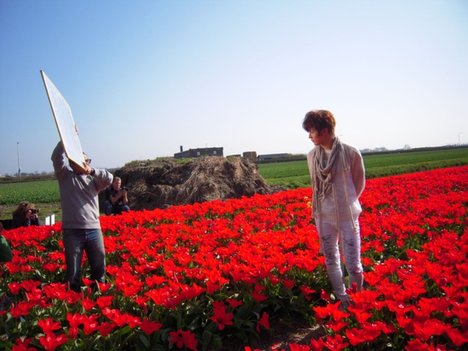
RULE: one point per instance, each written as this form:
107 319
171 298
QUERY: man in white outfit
338 179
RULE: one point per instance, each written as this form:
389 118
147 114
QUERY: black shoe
5 302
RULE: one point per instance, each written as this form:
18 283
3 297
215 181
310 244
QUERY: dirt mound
166 182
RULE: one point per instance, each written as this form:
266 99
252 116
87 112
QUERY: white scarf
323 174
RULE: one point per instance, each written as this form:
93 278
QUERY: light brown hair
319 120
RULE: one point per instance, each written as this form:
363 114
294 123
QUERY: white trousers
346 234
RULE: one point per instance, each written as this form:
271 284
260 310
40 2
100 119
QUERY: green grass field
40 191
295 173
292 174
44 193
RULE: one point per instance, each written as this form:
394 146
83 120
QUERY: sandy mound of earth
166 182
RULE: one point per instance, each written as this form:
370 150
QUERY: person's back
343 201
5 250
5 256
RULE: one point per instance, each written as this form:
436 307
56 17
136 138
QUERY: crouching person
25 215
116 198
79 189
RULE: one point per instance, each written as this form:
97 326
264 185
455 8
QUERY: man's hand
84 169
88 170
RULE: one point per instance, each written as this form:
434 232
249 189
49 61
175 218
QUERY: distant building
250 155
268 157
375 150
205 151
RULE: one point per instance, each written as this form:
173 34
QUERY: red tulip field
197 276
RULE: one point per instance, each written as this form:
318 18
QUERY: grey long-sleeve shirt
78 193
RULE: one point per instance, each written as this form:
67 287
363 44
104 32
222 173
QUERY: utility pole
17 153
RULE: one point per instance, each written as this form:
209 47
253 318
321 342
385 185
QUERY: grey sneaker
344 303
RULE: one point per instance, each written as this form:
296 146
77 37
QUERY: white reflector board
64 121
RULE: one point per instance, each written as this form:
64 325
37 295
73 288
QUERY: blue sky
144 77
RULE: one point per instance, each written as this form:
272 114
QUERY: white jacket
342 203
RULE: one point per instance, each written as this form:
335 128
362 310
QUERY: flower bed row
192 277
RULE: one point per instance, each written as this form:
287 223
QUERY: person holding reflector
79 189
79 186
